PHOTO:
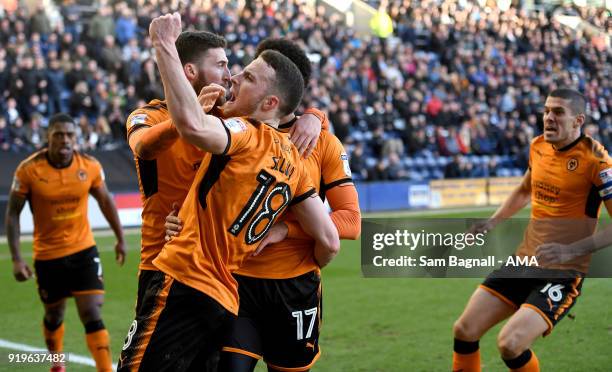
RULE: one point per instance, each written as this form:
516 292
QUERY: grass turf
393 324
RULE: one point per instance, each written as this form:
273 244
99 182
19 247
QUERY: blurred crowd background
457 90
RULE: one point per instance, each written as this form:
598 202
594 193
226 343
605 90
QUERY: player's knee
90 313
509 345
54 315
464 331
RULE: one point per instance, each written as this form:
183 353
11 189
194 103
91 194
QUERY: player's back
567 189
234 200
327 166
58 199
162 181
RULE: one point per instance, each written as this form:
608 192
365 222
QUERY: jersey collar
568 147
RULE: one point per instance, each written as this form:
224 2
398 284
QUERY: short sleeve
146 116
239 135
21 181
335 168
305 187
97 174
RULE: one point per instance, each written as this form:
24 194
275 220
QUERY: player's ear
579 121
270 102
190 71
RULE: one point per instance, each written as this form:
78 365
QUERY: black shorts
551 293
144 278
77 274
279 320
175 323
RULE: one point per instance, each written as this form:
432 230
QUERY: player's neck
287 118
57 161
274 123
563 145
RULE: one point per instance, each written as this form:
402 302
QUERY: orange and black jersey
58 199
567 189
162 181
290 258
233 201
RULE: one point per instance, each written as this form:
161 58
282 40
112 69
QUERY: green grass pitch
368 324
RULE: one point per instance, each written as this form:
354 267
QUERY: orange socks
466 356
526 362
98 343
54 336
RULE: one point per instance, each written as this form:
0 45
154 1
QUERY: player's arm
16 202
345 214
148 142
315 221
518 199
107 206
204 131
305 132
556 253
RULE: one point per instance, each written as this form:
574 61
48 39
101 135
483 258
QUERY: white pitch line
72 358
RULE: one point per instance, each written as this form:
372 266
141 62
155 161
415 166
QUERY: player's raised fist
165 29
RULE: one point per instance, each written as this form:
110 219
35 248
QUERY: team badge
82 175
572 164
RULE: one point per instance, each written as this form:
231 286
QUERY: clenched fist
165 29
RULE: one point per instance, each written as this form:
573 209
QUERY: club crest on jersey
606 175
235 125
82 175
572 164
138 119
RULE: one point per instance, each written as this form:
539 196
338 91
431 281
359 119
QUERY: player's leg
89 307
52 289
87 287
517 336
176 323
292 323
243 344
548 302
53 330
483 311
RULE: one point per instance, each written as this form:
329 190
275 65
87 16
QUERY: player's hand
210 96
556 253
305 134
165 29
120 252
21 271
482 227
173 224
277 233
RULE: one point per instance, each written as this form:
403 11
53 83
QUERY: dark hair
288 82
60 118
191 45
291 50
577 100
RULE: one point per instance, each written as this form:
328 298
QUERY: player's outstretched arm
148 142
518 199
556 253
107 206
21 270
315 221
204 131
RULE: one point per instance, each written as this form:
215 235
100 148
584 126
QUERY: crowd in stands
456 91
